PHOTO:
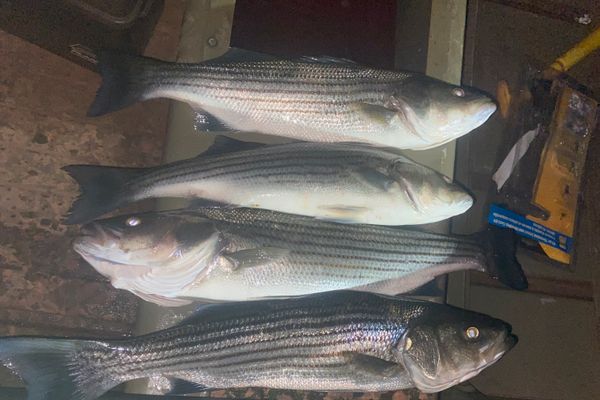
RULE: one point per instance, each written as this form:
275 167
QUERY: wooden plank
581 290
412 34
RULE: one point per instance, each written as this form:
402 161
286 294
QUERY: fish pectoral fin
374 178
341 213
411 196
376 113
370 365
181 386
235 55
254 257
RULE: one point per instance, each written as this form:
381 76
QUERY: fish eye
458 92
408 344
133 221
472 332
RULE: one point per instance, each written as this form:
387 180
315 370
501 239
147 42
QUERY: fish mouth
89 257
88 248
95 239
463 203
485 111
510 340
98 233
454 207
469 374
503 347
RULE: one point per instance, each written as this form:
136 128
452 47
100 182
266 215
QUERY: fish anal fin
224 144
198 315
182 386
414 280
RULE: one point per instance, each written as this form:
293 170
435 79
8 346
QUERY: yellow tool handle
578 52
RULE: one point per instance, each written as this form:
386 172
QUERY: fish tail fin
501 251
103 189
53 369
126 79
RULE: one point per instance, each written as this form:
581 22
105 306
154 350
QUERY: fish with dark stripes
339 341
232 254
341 182
317 99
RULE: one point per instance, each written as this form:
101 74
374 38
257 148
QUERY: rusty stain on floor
45 288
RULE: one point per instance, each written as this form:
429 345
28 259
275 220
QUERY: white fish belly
377 208
285 279
267 281
317 127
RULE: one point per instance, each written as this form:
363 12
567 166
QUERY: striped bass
341 182
317 99
346 341
223 254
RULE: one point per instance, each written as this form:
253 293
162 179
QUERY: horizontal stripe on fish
342 182
225 254
343 341
335 102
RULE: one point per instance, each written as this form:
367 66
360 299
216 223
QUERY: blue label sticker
507 219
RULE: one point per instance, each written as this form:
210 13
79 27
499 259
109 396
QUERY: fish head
452 346
438 112
128 247
430 193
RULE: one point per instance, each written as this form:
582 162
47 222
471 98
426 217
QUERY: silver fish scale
343 242
321 96
326 342
308 163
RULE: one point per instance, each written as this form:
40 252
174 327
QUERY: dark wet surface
45 288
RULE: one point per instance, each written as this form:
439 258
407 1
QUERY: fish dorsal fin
224 144
206 122
327 60
236 55
182 386
198 314
196 206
